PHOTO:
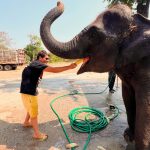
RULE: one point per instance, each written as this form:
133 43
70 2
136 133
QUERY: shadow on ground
54 131
18 133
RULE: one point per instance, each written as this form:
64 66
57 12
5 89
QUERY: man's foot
111 90
27 125
40 137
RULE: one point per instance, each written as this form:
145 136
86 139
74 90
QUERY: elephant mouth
83 68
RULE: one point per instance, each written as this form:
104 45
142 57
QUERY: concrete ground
14 137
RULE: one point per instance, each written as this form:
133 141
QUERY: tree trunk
143 8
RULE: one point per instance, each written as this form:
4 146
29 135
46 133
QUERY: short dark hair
41 54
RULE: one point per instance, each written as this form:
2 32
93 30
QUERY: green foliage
33 47
54 58
27 59
141 6
130 3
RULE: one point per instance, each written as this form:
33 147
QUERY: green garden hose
88 125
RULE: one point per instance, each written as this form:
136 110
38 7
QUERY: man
111 80
30 79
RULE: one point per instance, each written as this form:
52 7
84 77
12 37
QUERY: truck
10 59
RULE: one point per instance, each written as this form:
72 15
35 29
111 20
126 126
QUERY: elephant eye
96 34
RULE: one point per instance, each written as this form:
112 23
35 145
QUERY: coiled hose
87 125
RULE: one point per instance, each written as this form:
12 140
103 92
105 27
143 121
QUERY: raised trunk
71 50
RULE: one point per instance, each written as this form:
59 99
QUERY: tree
128 2
142 6
33 47
5 41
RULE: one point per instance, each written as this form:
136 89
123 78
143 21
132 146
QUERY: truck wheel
14 68
1 67
7 67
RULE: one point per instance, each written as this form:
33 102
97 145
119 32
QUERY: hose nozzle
71 145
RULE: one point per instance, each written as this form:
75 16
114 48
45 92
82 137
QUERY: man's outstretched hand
84 60
79 61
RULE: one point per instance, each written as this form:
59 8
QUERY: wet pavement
14 136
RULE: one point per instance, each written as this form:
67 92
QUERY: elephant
116 40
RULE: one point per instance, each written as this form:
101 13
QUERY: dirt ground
14 137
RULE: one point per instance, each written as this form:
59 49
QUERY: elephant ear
140 18
95 34
136 51
140 48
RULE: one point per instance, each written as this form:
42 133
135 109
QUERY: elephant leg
142 127
130 105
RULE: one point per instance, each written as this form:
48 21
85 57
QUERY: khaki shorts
31 104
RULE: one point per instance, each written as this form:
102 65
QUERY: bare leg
37 134
34 122
26 121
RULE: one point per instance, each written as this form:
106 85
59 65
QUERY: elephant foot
128 135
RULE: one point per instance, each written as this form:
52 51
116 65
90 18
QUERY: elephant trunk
69 50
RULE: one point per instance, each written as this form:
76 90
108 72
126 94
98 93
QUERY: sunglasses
47 58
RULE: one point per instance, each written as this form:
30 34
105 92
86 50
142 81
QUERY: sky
20 18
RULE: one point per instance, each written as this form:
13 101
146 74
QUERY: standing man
111 80
30 79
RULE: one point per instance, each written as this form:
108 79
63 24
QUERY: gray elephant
120 41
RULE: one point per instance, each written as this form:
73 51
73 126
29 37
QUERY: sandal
42 137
